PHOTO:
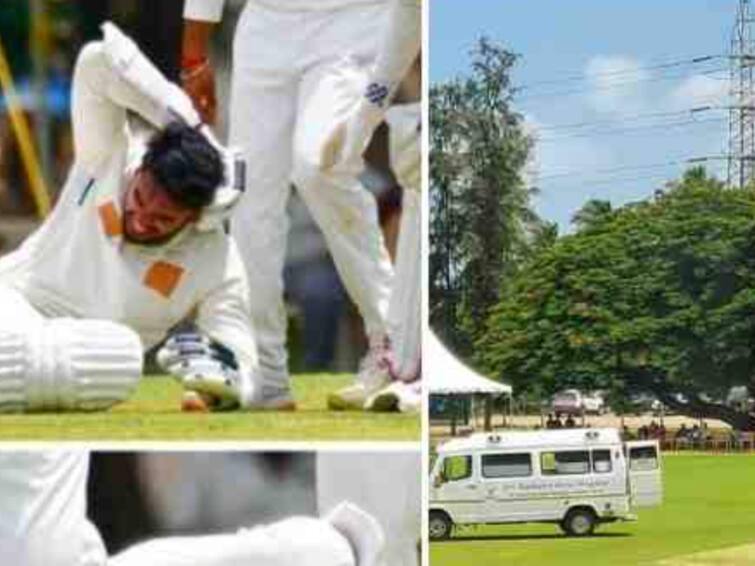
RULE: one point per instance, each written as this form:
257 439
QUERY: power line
609 181
594 88
637 167
589 76
578 173
633 129
631 117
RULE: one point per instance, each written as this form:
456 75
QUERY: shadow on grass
553 536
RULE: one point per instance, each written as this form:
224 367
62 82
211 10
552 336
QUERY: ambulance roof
571 437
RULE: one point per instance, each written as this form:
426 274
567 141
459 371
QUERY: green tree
592 214
480 215
658 297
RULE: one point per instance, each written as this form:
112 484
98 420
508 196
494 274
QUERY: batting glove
204 366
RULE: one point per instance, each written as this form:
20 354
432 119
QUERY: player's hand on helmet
203 366
199 84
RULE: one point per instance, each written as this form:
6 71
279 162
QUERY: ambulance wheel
579 522
439 526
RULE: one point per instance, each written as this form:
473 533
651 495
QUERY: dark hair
185 163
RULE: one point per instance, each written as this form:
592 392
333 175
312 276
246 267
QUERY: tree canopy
656 296
480 214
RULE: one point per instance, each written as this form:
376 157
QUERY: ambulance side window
643 458
601 461
506 465
566 462
457 468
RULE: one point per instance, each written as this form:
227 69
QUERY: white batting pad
68 364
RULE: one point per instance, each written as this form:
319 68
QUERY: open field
154 413
708 517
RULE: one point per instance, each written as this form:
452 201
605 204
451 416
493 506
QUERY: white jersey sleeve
204 10
111 77
296 541
224 315
44 509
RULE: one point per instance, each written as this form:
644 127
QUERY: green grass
154 413
709 503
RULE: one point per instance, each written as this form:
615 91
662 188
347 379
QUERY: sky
608 88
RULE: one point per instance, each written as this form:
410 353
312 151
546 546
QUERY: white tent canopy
448 375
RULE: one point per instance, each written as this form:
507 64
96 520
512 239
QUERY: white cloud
698 90
616 83
573 154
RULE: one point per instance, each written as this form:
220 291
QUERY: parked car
572 401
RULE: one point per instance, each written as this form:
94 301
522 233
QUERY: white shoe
375 373
272 399
398 396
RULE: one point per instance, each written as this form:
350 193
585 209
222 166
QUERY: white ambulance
574 477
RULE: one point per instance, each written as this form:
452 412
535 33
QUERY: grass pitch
154 413
707 517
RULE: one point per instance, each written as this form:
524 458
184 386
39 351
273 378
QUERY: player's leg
344 210
63 364
404 312
405 309
298 541
262 118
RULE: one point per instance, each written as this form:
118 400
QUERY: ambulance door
456 489
644 468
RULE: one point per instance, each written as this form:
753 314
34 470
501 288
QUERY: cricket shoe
272 398
398 396
376 371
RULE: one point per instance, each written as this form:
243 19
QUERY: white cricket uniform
405 309
297 541
77 263
287 55
43 520
387 485
44 523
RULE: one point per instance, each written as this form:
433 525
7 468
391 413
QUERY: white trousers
284 64
405 309
405 312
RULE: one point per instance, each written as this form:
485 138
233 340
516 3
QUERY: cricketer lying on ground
79 302
44 523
